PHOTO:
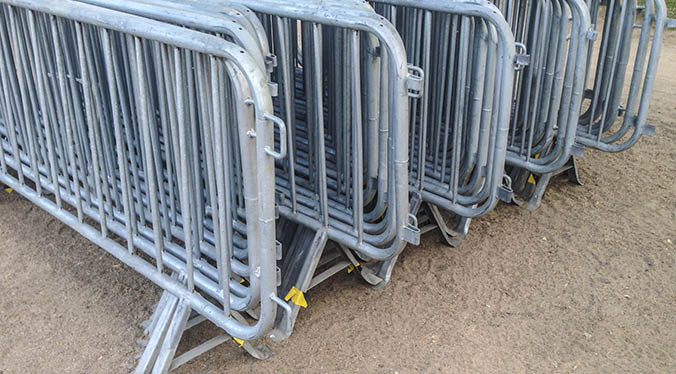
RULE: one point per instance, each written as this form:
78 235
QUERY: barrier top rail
237 28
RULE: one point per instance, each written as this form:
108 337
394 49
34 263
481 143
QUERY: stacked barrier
115 126
612 118
600 124
239 152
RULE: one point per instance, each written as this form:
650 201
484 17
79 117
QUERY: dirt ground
585 284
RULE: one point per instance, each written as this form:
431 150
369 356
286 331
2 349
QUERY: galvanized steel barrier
549 92
235 150
460 127
607 101
606 96
114 124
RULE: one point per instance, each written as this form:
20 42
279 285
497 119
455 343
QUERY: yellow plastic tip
238 341
296 296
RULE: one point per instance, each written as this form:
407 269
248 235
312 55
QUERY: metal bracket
282 137
274 89
522 59
411 232
505 191
621 110
592 34
648 130
415 81
671 23
577 150
271 61
278 249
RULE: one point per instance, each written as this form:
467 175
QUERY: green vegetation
671 8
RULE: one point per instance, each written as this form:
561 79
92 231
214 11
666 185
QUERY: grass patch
671 8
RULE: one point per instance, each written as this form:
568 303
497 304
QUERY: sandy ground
585 284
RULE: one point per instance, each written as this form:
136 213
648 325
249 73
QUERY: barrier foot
378 274
535 200
450 234
574 172
570 169
171 318
430 218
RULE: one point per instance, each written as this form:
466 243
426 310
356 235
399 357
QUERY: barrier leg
453 233
570 169
172 317
303 249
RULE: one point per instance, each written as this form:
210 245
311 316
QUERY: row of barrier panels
239 152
